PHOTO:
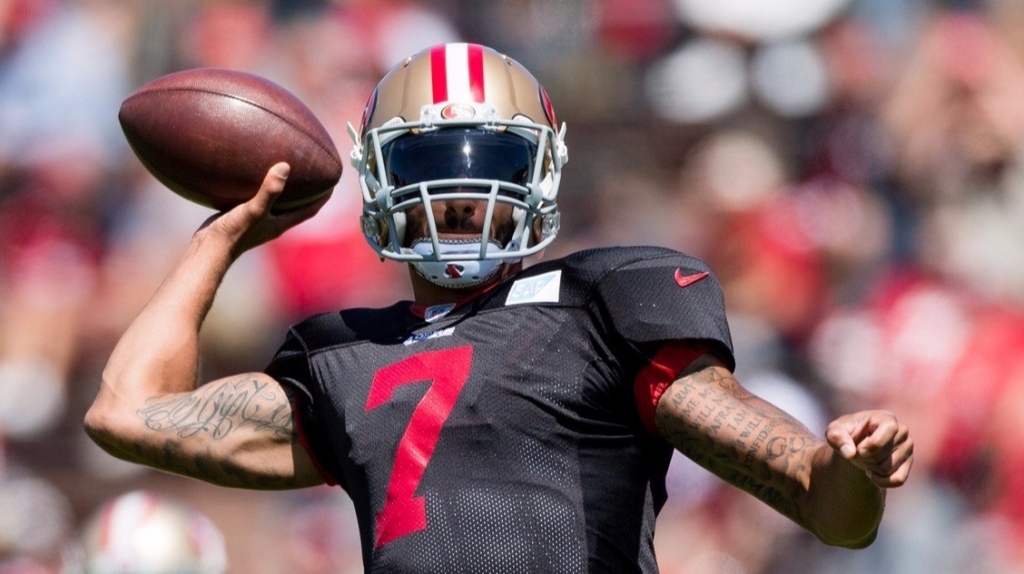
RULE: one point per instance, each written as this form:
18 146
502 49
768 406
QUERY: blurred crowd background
851 169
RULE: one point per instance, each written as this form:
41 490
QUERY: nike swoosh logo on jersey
684 280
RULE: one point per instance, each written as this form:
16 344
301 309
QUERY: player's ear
535 230
536 235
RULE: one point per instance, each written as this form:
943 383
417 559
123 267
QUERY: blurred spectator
232 35
760 234
49 253
957 118
758 21
35 520
635 29
390 30
65 77
64 74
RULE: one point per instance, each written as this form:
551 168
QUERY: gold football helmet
459 122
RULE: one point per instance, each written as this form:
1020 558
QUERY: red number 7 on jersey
447 371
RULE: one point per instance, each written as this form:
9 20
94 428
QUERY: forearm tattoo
221 409
218 413
744 440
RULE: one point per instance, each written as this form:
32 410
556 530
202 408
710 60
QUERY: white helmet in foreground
146 533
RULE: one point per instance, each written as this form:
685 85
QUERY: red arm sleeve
652 380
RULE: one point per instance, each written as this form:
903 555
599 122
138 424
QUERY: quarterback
508 419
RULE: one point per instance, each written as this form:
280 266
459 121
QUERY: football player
507 419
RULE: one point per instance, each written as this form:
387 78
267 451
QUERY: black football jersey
513 432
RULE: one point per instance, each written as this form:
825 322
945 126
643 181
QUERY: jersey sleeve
290 367
668 308
667 297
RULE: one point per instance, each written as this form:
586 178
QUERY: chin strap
457 274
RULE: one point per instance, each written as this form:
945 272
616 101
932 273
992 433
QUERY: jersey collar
432 313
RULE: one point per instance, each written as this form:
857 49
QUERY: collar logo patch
543 288
436 312
428 336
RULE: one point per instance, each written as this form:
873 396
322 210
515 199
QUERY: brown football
211 134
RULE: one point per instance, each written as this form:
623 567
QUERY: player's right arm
835 488
235 431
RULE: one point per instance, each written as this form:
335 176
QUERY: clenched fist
875 442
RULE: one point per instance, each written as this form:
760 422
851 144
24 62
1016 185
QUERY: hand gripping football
210 135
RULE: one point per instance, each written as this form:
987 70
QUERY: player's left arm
834 488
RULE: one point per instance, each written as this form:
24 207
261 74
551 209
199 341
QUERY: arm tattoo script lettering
744 440
231 432
222 408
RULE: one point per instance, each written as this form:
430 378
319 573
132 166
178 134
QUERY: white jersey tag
540 289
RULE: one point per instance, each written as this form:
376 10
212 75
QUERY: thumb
273 185
841 435
280 171
847 449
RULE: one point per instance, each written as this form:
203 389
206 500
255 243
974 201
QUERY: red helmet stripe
439 73
549 110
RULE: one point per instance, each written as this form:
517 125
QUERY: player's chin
467 232
459 237
464 235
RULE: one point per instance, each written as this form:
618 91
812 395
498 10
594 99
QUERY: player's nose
460 213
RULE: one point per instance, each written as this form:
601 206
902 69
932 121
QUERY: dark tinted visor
458 153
